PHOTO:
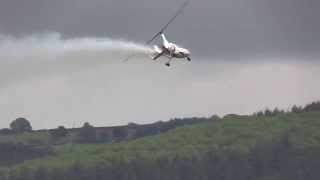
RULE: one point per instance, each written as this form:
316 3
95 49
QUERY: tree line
314 106
87 131
90 134
274 160
12 152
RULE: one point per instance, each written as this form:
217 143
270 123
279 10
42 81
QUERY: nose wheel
170 59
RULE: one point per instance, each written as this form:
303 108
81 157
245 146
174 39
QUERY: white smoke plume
49 53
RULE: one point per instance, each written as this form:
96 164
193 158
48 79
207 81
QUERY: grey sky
143 91
210 27
247 55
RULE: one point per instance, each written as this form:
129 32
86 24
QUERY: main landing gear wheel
168 64
188 58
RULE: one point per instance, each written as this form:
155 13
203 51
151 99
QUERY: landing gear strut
170 59
168 63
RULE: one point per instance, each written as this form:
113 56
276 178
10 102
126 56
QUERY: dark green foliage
161 127
268 112
120 133
6 131
277 146
277 112
104 137
271 160
60 135
147 130
315 106
21 125
40 174
87 134
60 132
259 113
11 153
296 109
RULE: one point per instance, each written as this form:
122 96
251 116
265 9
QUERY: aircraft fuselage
170 50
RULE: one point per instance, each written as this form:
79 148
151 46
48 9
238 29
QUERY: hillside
284 146
17 147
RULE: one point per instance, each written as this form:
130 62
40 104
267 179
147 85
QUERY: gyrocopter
168 49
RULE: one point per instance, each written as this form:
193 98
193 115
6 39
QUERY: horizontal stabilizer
157 56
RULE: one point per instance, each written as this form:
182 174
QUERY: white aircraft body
168 49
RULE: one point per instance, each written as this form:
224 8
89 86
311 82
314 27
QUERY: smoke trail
49 53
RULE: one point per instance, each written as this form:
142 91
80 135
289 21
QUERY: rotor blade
180 10
153 38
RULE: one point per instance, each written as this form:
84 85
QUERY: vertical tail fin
165 41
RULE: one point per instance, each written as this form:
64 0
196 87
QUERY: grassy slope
238 134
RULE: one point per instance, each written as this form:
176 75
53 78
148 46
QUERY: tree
87 133
21 125
268 112
259 113
314 106
60 132
276 112
296 109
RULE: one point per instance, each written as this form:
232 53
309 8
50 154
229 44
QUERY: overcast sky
210 27
247 55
